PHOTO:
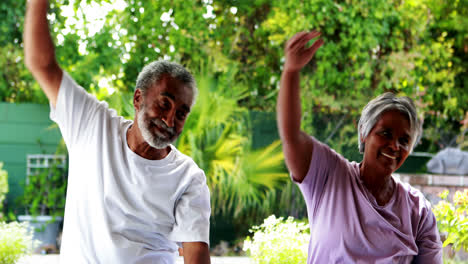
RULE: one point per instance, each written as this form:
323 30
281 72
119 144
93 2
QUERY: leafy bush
45 192
16 240
3 187
278 241
454 261
452 219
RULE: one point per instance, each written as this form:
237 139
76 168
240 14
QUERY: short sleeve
192 213
322 165
428 239
74 110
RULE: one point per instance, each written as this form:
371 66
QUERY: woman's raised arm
297 145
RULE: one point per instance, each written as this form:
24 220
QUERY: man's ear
137 99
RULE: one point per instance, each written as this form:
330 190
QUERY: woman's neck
381 187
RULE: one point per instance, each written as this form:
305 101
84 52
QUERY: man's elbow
29 62
39 62
42 70
196 253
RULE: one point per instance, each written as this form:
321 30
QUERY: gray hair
152 73
383 103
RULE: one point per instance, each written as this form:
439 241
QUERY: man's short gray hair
152 73
383 103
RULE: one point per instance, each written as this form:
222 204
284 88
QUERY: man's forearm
38 46
196 253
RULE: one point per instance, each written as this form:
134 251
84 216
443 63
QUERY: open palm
297 55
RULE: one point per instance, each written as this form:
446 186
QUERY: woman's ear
363 143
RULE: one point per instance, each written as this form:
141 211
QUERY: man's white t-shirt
120 207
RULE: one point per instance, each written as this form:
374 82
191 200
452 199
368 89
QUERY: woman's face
388 144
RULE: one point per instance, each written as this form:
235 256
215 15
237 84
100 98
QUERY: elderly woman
358 212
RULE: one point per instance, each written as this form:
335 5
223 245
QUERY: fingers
296 53
293 41
302 39
312 49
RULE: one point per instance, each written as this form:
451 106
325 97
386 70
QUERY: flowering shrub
15 241
452 219
3 187
278 241
455 261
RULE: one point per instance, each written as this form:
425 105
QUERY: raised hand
297 55
297 145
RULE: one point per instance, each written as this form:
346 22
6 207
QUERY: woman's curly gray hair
383 103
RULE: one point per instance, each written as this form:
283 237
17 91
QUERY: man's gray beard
152 139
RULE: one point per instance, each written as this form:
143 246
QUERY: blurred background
234 48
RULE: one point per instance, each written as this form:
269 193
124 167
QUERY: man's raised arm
39 50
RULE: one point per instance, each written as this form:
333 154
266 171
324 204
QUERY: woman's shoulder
321 149
414 198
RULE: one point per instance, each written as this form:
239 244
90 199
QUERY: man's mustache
161 124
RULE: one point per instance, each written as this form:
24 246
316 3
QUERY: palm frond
217 136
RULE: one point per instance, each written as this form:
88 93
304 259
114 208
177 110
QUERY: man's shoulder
185 160
93 103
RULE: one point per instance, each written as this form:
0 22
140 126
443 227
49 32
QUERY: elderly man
132 196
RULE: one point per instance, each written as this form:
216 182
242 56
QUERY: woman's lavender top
348 226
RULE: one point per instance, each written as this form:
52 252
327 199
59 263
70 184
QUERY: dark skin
297 145
386 148
40 60
376 168
169 100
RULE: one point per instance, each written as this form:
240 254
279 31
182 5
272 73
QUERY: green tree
415 48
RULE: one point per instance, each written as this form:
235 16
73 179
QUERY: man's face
388 144
162 111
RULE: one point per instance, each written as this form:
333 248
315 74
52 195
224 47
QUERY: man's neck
138 145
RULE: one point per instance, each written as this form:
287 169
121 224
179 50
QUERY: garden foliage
16 240
45 192
415 48
217 135
452 219
278 241
235 48
3 187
